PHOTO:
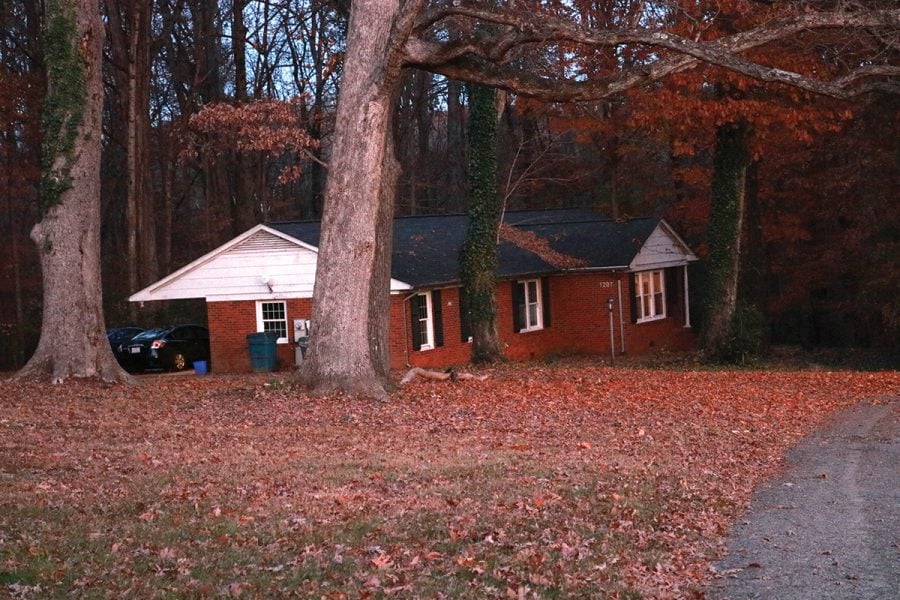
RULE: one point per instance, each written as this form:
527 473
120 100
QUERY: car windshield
150 334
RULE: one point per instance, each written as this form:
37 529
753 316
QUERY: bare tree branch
486 61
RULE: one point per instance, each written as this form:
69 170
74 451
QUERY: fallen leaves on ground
572 481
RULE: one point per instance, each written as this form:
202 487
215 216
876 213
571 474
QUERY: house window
427 326
650 294
531 305
272 316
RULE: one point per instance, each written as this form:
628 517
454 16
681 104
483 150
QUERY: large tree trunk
479 256
348 349
9 157
724 238
140 197
454 167
73 342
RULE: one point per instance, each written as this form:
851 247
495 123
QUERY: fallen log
417 372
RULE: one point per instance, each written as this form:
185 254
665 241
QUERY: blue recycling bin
263 355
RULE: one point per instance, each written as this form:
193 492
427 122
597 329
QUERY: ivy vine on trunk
64 104
478 262
724 235
73 341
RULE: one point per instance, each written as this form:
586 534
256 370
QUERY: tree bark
348 349
243 206
454 171
73 341
9 157
479 256
143 260
725 228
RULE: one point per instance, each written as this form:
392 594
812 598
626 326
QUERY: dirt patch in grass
543 481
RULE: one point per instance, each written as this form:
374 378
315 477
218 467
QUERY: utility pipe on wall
612 335
621 319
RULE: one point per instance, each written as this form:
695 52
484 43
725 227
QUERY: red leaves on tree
272 127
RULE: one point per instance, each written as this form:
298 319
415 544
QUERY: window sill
650 319
531 329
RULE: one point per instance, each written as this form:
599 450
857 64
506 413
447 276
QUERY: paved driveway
829 528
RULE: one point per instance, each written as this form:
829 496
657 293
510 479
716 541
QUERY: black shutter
465 317
436 318
414 304
632 296
545 300
671 291
518 306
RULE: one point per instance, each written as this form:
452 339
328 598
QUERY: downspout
406 329
621 318
687 300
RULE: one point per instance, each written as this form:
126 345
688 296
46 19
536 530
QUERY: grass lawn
558 481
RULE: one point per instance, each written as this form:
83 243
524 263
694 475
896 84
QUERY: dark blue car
171 348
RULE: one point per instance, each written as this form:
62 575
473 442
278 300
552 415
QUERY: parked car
174 348
118 337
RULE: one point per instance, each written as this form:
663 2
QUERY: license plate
135 350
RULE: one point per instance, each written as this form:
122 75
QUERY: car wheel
178 361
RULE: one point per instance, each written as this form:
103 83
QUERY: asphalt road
828 528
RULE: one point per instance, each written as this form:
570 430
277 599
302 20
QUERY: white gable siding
261 264
662 249
241 273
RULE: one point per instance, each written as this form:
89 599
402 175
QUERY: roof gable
242 267
662 248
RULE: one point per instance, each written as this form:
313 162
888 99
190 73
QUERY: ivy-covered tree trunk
478 263
724 238
73 340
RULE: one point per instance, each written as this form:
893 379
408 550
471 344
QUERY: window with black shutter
426 319
648 296
528 311
465 317
673 289
415 310
545 300
437 320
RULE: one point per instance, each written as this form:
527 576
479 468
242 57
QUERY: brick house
568 282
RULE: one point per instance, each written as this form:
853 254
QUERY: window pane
422 316
658 304
533 315
274 318
278 327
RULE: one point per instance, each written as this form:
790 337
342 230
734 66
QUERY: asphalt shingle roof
426 248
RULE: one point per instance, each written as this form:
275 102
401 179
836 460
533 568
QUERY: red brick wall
453 352
579 325
229 324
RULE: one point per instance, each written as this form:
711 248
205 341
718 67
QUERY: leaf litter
566 480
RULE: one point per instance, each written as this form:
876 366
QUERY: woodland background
218 116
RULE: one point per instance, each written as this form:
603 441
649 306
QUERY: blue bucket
200 367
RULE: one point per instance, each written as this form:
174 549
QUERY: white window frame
537 302
426 324
261 323
647 309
